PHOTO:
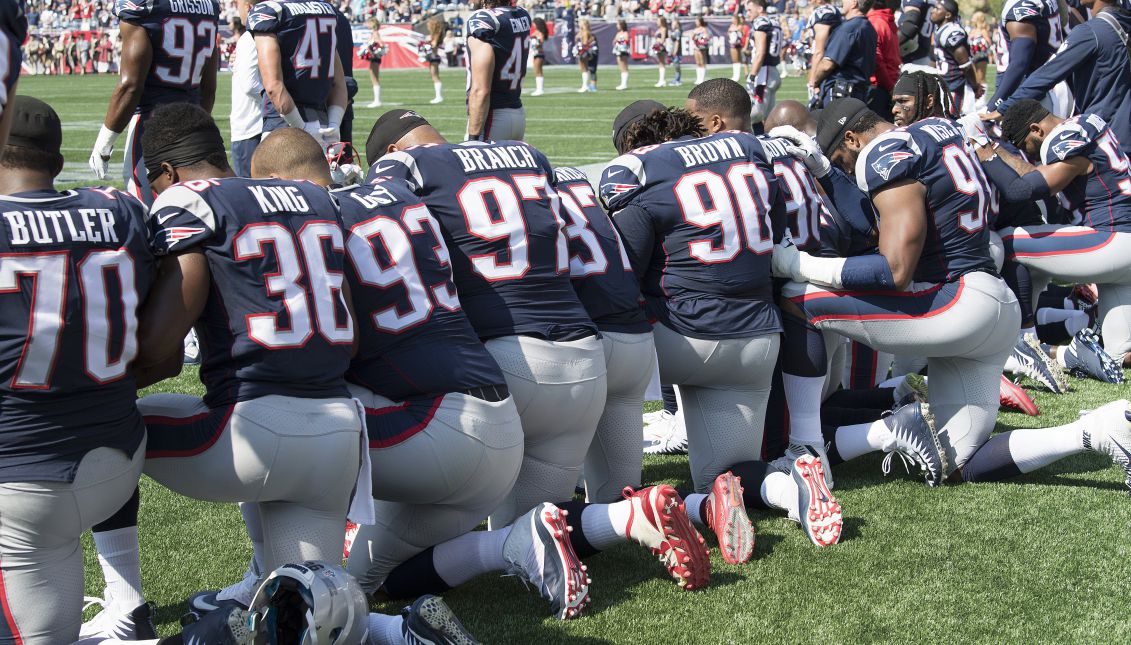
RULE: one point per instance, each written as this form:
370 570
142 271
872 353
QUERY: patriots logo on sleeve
1063 148
888 161
170 236
264 12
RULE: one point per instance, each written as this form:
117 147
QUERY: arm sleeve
1078 50
853 204
1021 51
867 272
634 223
909 24
1014 187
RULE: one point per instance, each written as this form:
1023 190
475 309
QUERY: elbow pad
1014 188
867 272
908 29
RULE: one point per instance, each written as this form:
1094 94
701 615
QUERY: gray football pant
724 387
559 388
1080 255
615 459
506 124
437 484
297 458
966 338
40 551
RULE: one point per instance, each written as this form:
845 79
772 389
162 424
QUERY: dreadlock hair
661 126
927 88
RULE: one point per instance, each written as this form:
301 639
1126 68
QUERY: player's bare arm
822 71
903 227
1057 175
208 81
271 73
177 299
137 56
479 96
761 46
820 38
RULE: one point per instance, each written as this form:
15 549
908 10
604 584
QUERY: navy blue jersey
839 239
507 31
414 339
826 14
772 28
1104 194
598 265
804 206
73 268
949 37
852 46
926 28
344 36
308 40
1044 15
13 32
699 218
934 152
498 210
182 37
275 321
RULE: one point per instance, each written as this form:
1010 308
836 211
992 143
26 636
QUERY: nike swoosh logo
886 146
382 168
1125 452
161 219
613 173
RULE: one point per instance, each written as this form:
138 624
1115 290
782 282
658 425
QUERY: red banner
401 41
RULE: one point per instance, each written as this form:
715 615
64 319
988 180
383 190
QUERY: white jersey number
189 46
734 209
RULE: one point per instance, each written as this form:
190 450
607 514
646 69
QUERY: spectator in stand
103 53
887 57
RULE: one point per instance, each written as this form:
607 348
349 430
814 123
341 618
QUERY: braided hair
661 126
927 89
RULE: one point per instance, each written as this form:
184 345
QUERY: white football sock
584 79
694 504
385 630
624 79
700 74
438 86
779 491
1060 358
606 525
803 395
663 74
538 82
471 554
736 71
1037 448
376 93
120 557
254 525
863 438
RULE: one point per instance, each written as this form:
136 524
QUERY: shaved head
290 153
791 113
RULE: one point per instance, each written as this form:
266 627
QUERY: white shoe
112 622
438 99
241 593
1107 430
668 436
660 84
374 104
621 87
653 417
583 90
537 93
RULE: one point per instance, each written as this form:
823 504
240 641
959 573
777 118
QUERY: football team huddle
466 333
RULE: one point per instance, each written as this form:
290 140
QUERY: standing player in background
373 52
538 35
72 440
765 56
1031 32
621 50
825 18
303 76
952 56
736 40
13 31
701 41
247 99
168 56
498 38
344 34
915 32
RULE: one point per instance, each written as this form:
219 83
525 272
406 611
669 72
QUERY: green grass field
1045 559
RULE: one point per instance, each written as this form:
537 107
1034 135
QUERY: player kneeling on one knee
445 437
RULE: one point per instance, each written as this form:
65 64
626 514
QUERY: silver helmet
313 603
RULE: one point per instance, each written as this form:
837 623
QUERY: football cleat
817 510
351 535
134 625
192 349
539 551
1107 430
912 389
726 516
916 441
1037 365
1010 395
658 520
667 436
1085 355
429 621
653 417
795 450
239 594
228 626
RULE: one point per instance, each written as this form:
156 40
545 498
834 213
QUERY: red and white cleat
351 535
658 520
1014 398
726 515
818 511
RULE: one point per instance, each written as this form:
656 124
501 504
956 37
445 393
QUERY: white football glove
805 149
786 260
314 129
100 156
975 129
329 135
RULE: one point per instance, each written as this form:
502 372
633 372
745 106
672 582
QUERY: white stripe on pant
40 551
439 483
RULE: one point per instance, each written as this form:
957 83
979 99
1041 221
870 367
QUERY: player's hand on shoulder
804 148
